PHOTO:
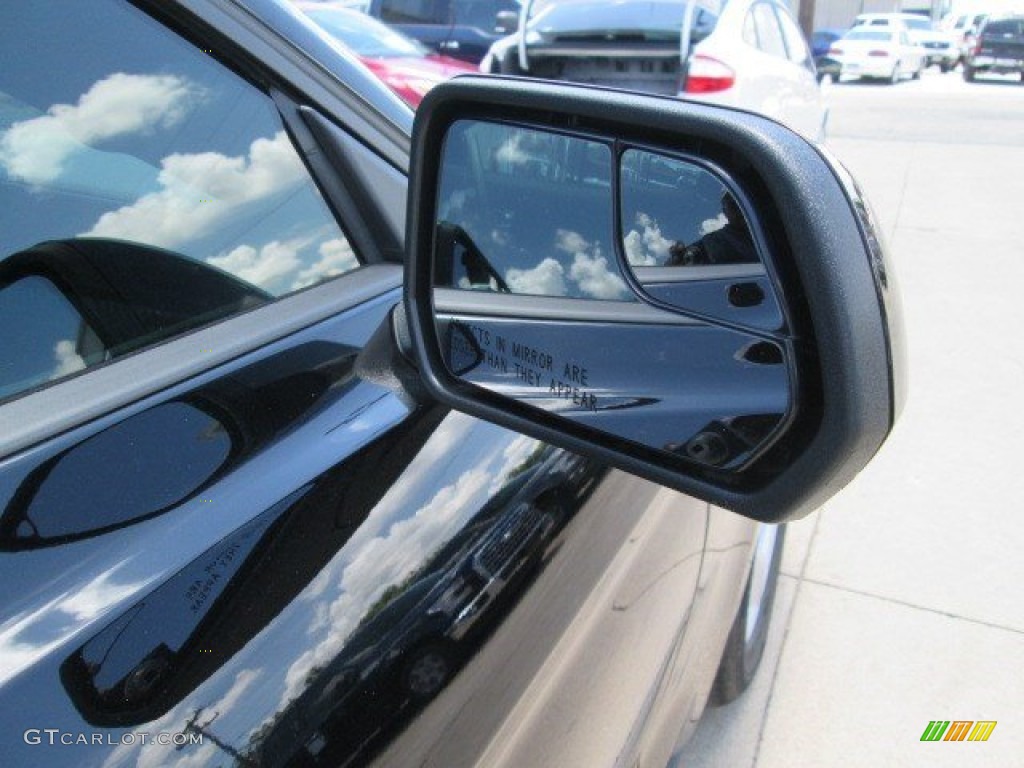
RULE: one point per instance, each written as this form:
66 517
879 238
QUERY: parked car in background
999 48
408 68
964 29
745 53
248 518
462 29
939 46
878 52
821 42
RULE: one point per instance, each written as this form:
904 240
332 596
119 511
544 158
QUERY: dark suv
462 29
999 49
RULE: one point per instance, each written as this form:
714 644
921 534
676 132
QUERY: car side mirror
692 294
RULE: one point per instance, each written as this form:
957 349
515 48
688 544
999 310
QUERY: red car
408 68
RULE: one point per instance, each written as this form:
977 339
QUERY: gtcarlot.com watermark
54 737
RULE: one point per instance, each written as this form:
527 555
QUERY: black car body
236 525
462 29
999 48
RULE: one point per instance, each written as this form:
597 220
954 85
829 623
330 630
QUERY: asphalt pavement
902 600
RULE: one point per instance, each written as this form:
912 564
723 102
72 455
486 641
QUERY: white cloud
261 267
199 191
517 452
511 152
590 272
243 681
713 225
27 637
36 150
570 242
336 257
384 561
68 361
547 279
594 278
649 247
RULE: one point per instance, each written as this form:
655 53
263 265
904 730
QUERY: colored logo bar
958 730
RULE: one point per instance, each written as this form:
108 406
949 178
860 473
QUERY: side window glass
413 11
145 190
796 46
768 32
750 30
480 13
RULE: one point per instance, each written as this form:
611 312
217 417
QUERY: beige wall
840 13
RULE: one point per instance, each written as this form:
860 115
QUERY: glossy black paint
253 625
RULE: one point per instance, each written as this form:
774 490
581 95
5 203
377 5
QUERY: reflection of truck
412 641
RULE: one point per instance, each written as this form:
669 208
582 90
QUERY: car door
911 54
225 536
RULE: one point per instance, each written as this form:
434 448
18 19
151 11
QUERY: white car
748 54
940 47
964 30
878 53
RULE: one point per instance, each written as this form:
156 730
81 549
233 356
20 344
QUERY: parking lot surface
900 600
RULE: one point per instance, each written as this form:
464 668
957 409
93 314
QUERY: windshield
921 25
363 34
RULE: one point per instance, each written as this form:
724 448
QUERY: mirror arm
388 360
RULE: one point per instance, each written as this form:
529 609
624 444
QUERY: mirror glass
45 337
689 243
527 211
533 301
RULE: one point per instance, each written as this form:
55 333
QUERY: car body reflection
93 285
408 644
417 635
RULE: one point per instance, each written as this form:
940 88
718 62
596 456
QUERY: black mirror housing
820 378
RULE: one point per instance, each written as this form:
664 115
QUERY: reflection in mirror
711 395
68 305
164 457
531 211
45 336
689 243
528 212
126 473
